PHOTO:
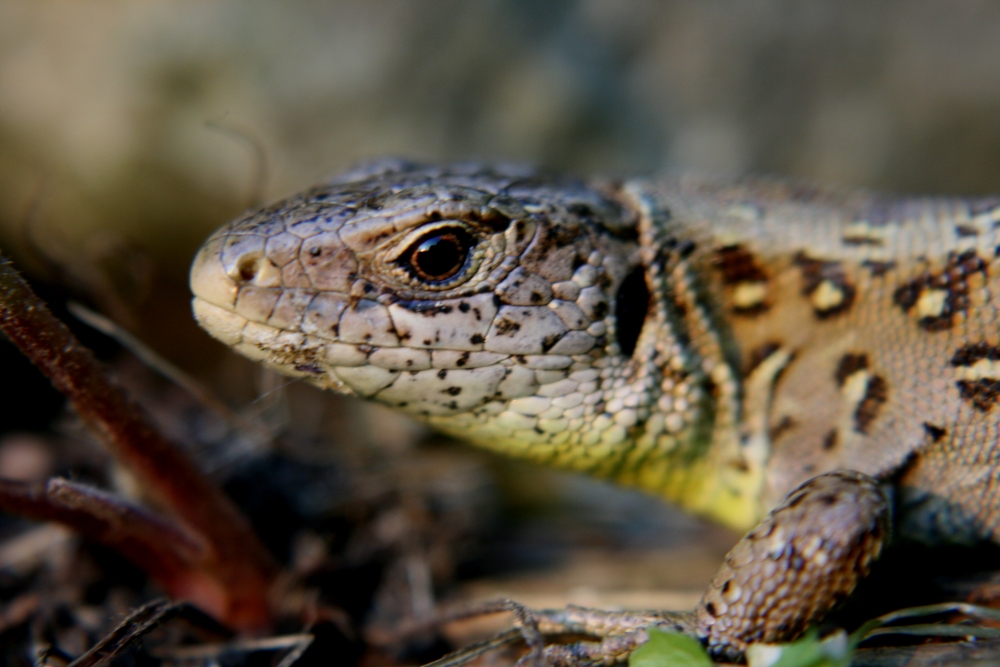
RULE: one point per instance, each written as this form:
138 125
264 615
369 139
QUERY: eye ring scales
439 255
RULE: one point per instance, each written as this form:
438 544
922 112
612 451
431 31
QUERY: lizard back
887 310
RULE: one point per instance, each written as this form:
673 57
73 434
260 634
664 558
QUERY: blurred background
130 130
140 127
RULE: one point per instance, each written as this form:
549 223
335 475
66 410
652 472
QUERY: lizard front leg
785 575
803 559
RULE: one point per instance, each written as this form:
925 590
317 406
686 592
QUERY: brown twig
138 624
237 563
164 550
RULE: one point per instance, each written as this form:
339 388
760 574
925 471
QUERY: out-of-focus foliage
669 649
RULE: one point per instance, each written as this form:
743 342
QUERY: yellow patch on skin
931 303
749 294
984 369
855 386
827 296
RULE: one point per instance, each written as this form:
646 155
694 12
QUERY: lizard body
718 343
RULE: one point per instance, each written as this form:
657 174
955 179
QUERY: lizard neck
711 461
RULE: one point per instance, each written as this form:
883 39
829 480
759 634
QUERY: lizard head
489 302
495 305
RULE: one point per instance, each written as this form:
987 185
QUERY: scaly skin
789 332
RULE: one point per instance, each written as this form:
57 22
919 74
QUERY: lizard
736 346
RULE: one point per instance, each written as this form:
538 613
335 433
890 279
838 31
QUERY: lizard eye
439 255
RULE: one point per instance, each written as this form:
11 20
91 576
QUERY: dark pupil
438 257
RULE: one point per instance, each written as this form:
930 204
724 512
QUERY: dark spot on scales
476 339
507 327
876 394
784 424
830 439
965 230
849 365
315 252
953 279
935 432
982 393
442 374
815 272
967 355
452 391
878 268
309 368
737 265
464 307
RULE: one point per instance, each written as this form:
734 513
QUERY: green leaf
834 650
669 649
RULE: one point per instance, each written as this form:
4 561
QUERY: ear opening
631 308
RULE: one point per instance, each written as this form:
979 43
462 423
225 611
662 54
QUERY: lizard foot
803 559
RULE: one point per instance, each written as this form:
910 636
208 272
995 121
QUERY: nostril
247 268
253 268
